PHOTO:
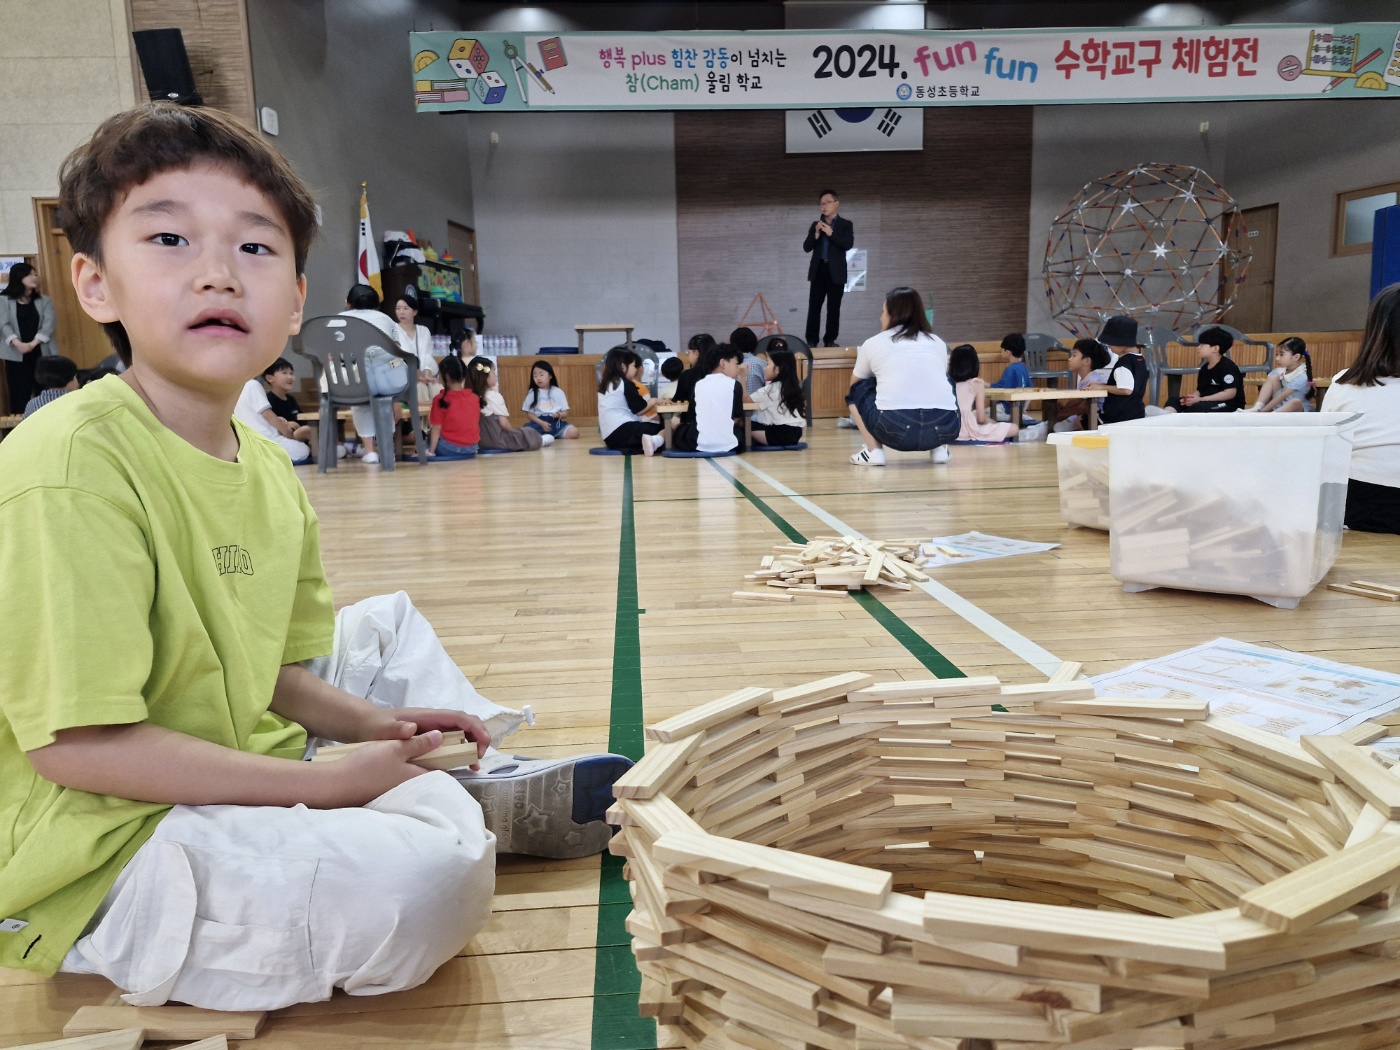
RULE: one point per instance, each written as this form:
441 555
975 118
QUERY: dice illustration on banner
468 58
490 88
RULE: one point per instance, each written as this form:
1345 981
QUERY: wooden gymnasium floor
528 566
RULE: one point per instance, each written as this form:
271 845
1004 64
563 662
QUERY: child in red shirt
455 418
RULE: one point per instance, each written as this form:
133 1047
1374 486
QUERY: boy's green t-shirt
142 581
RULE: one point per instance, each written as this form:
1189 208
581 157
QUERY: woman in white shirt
900 395
1371 386
414 338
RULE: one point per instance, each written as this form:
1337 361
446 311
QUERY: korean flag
854 130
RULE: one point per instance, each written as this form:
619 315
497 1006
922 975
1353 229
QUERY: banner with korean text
837 69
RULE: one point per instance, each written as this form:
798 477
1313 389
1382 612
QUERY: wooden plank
1143 937
1272 748
663 763
741 702
167 1022
1364 592
827 879
1316 891
1359 771
123 1039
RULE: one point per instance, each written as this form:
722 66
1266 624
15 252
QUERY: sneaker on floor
942 454
845 423
370 458
546 440
869 458
1036 432
652 444
340 452
552 807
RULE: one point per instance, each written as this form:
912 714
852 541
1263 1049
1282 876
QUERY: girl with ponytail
455 419
1289 387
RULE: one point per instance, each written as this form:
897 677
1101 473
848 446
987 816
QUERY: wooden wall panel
216 39
952 219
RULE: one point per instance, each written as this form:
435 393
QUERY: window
1354 215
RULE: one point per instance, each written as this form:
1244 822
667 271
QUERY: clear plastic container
1240 503
1083 464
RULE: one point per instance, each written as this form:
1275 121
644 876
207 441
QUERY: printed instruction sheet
976 546
1291 694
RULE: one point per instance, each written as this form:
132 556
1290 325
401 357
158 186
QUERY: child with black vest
1127 382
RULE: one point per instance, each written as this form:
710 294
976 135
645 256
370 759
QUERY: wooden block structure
833 566
959 863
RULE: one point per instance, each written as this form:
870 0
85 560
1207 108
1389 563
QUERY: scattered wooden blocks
836 565
1368 590
123 1039
166 1022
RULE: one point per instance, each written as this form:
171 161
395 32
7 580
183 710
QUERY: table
584 329
1018 398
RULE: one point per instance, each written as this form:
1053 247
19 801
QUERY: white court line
1041 659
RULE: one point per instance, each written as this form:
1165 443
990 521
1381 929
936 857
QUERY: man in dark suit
828 240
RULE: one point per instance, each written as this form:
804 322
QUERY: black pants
777 433
19 377
1372 508
686 436
628 437
824 290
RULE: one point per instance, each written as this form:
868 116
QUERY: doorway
1253 311
461 242
78 336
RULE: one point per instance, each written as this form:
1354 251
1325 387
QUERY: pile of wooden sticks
835 566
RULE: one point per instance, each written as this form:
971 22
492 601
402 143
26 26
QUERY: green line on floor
616 981
915 643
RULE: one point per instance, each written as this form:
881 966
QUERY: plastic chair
646 353
1241 339
1038 347
797 346
1155 340
336 347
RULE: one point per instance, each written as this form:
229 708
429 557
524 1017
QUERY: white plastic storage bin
1241 503
1083 463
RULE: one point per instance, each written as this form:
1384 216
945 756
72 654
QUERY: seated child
971 391
1219 383
1126 385
496 431
546 404
781 416
254 409
1289 387
1089 362
715 420
157 824
671 370
1015 375
685 382
619 405
752 367
53 377
280 378
454 420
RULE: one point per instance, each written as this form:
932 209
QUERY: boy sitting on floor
175 645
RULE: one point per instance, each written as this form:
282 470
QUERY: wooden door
461 242
1254 306
78 336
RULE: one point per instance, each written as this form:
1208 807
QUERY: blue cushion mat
675 453
756 447
603 450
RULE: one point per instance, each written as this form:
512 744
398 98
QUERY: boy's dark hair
744 340
280 365
1216 336
1379 356
362 297
711 356
1095 351
54 373
132 147
907 318
672 367
1014 344
963 363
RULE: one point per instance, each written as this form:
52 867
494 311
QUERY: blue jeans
557 426
903 429
447 450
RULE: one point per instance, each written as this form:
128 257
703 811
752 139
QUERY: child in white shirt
496 431
781 415
254 409
546 404
1289 388
714 421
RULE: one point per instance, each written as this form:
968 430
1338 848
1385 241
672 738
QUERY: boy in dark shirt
1219 383
281 378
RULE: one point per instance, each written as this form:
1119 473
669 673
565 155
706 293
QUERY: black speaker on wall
165 66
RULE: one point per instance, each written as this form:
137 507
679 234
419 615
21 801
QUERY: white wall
67 67
576 223
1297 154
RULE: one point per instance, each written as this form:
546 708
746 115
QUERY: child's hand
367 772
402 723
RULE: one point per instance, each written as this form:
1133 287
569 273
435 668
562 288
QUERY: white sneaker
370 458
869 458
1035 432
942 454
845 423
351 448
652 444
340 452
546 440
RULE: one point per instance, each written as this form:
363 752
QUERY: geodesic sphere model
1162 243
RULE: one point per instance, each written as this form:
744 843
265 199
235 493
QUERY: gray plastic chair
1038 347
336 347
1266 348
1155 339
797 346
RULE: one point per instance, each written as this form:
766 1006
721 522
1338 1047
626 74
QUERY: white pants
299 451
258 907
